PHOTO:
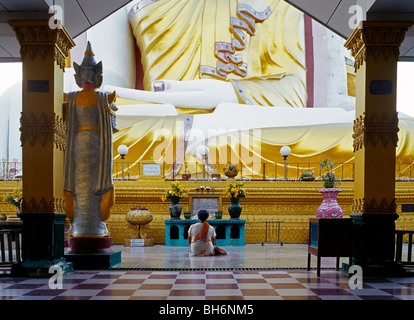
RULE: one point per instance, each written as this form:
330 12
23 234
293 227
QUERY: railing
10 248
265 171
10 170
399 247
194 171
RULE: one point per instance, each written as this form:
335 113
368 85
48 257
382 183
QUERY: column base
42 245
94 261
40 268
374 244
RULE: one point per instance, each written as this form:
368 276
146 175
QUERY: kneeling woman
202 238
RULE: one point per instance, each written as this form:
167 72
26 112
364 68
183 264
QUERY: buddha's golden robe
259 47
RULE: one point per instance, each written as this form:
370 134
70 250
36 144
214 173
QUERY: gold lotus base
135 243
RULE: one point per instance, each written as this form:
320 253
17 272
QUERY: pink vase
329 207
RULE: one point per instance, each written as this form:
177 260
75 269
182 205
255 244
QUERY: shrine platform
293 202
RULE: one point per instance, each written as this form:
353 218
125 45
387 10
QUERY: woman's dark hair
203 215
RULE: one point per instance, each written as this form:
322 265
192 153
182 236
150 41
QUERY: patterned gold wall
292 202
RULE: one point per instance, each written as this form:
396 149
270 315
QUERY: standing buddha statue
88 183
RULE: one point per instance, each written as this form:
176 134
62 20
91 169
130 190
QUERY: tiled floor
206 285
249 256
253 272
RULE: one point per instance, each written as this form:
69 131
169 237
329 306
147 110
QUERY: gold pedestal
138 218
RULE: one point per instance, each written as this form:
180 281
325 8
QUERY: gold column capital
37 38
377 38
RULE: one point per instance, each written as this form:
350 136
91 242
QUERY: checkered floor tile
205 285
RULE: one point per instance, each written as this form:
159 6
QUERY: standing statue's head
89 72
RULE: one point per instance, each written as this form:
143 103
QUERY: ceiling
80 15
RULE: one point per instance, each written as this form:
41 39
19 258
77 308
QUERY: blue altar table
228 232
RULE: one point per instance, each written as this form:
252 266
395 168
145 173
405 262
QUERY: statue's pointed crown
89 58
88 51
83 72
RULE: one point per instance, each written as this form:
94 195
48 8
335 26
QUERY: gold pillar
43 52
375 47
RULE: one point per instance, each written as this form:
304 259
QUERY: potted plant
307 176
329 178
14 198
235 192
174 193
231 172
329 207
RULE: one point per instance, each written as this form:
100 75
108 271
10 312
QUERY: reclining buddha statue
230 75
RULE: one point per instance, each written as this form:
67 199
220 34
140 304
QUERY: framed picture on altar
209 202
149 169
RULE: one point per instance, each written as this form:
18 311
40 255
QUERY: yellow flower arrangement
175 192
235 191
14 198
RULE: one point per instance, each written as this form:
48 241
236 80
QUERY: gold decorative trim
225 52
362 206
86 98
93 128
53 206
373 38
37 38
371 130
43 129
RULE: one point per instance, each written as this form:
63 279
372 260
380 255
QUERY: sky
12 73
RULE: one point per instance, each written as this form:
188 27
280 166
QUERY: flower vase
329 207
175 208
235 208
